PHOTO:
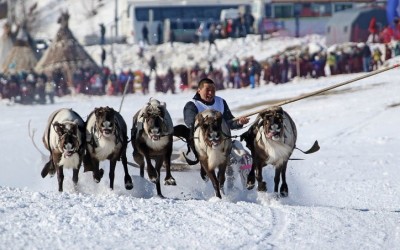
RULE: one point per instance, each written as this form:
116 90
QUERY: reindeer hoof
284 190
250 186
203 174
171 182
128 186
45 171
154 179
97 176
205 178
52 171
128 182
262 186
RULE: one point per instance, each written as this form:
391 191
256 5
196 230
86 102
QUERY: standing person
170 81
388 52
159 34
103 56
366 58
172 38
373 31
50 88
145 34
102 34
211 38
153 65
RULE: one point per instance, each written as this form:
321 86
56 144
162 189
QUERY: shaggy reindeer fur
271 139
64 137
106 136
213 144
151 135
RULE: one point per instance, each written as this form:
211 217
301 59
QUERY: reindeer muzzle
68 153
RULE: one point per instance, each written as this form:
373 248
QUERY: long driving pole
322 90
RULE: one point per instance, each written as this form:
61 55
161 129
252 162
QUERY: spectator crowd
31 87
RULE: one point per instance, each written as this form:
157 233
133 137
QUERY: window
283 11
268 11
342 6
321 9
345 29
142 14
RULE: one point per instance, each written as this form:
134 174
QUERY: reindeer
106 137
64 137
151 138
212 143
271 140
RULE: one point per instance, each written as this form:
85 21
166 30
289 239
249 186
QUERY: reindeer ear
162 110
200 118
59 128
97 111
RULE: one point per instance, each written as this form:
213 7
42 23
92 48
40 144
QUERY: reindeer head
68 140
105 120
211 126
153 120
272 122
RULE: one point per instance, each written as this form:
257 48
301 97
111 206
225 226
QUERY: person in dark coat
145 34
103 56
153 65
366 58
205 98
211 38
159 34
102 34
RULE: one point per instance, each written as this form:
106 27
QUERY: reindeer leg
214 180
158 185
284 187
262 185
46 168
97 173
75 173
127 178
60 177
221 177
151 171
111 174
169 180
203 174
52 168
277 178
139 159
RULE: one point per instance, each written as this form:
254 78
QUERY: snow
345 196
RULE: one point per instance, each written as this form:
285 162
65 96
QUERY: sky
345 196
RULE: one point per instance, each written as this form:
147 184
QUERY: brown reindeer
106 136
64 137
213 143
271 140
151 138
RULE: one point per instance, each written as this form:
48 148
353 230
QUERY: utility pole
116 18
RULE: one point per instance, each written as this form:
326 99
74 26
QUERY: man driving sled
204 99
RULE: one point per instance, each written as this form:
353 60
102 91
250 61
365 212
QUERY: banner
392 11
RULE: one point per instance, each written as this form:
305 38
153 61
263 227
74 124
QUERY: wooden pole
123 95
322 90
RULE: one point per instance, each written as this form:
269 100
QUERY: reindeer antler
31 134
